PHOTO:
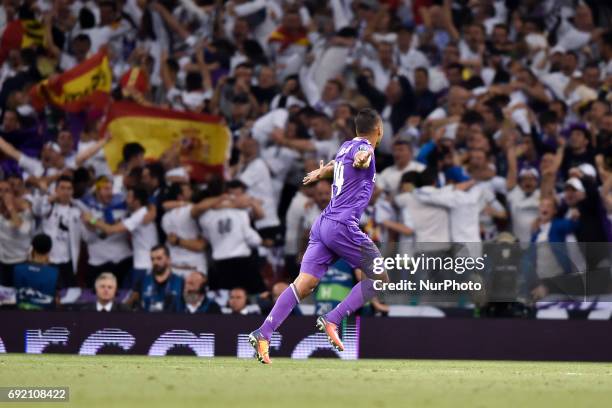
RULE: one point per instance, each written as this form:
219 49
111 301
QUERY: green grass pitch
134 382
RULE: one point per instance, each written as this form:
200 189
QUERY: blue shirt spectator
36 281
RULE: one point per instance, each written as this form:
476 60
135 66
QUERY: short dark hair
428 177
242 289
607 38
548 117
423 70
215 187
156 171
412 177
136 173
140 194
591 65
82 38
498 114
81 175
173 191
471 117
338 83
236 184
41 244
66 179
193 81
108 3
131 150
502 26
162 247
455 65
366 121
86 18
322 116
245 64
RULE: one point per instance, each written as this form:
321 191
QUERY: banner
84 86
203 140
158 334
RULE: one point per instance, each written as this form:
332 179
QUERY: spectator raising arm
9 150
91 151
512 176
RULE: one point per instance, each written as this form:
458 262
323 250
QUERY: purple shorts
330 240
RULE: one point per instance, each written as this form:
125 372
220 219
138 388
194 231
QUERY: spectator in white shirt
229 232
140 224
573 37
183 236
523 197
472 46
430 222
408 56
16 230
293 226
51 161
313 209
106 252
254 173
60 219
389 179
65 142
325 143
383 67
461 200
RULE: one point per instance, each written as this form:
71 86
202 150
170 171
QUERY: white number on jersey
338 177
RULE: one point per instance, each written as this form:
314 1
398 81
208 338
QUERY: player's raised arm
323 172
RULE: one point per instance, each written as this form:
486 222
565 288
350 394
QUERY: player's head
368 125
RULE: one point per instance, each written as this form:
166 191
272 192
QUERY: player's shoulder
362 145
350 147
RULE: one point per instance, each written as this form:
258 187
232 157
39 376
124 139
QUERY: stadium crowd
497 119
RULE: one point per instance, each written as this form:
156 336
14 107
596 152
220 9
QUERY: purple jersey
352 188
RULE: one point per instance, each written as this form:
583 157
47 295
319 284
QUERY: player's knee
305 284
383 277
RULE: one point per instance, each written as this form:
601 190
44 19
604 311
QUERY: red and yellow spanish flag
288 38
20 34
204 140
88 85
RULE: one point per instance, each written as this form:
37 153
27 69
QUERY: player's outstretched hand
314 175
362 159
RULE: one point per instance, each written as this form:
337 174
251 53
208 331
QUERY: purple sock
359 295
282 308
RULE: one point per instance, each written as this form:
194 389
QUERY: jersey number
338 177
224 226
